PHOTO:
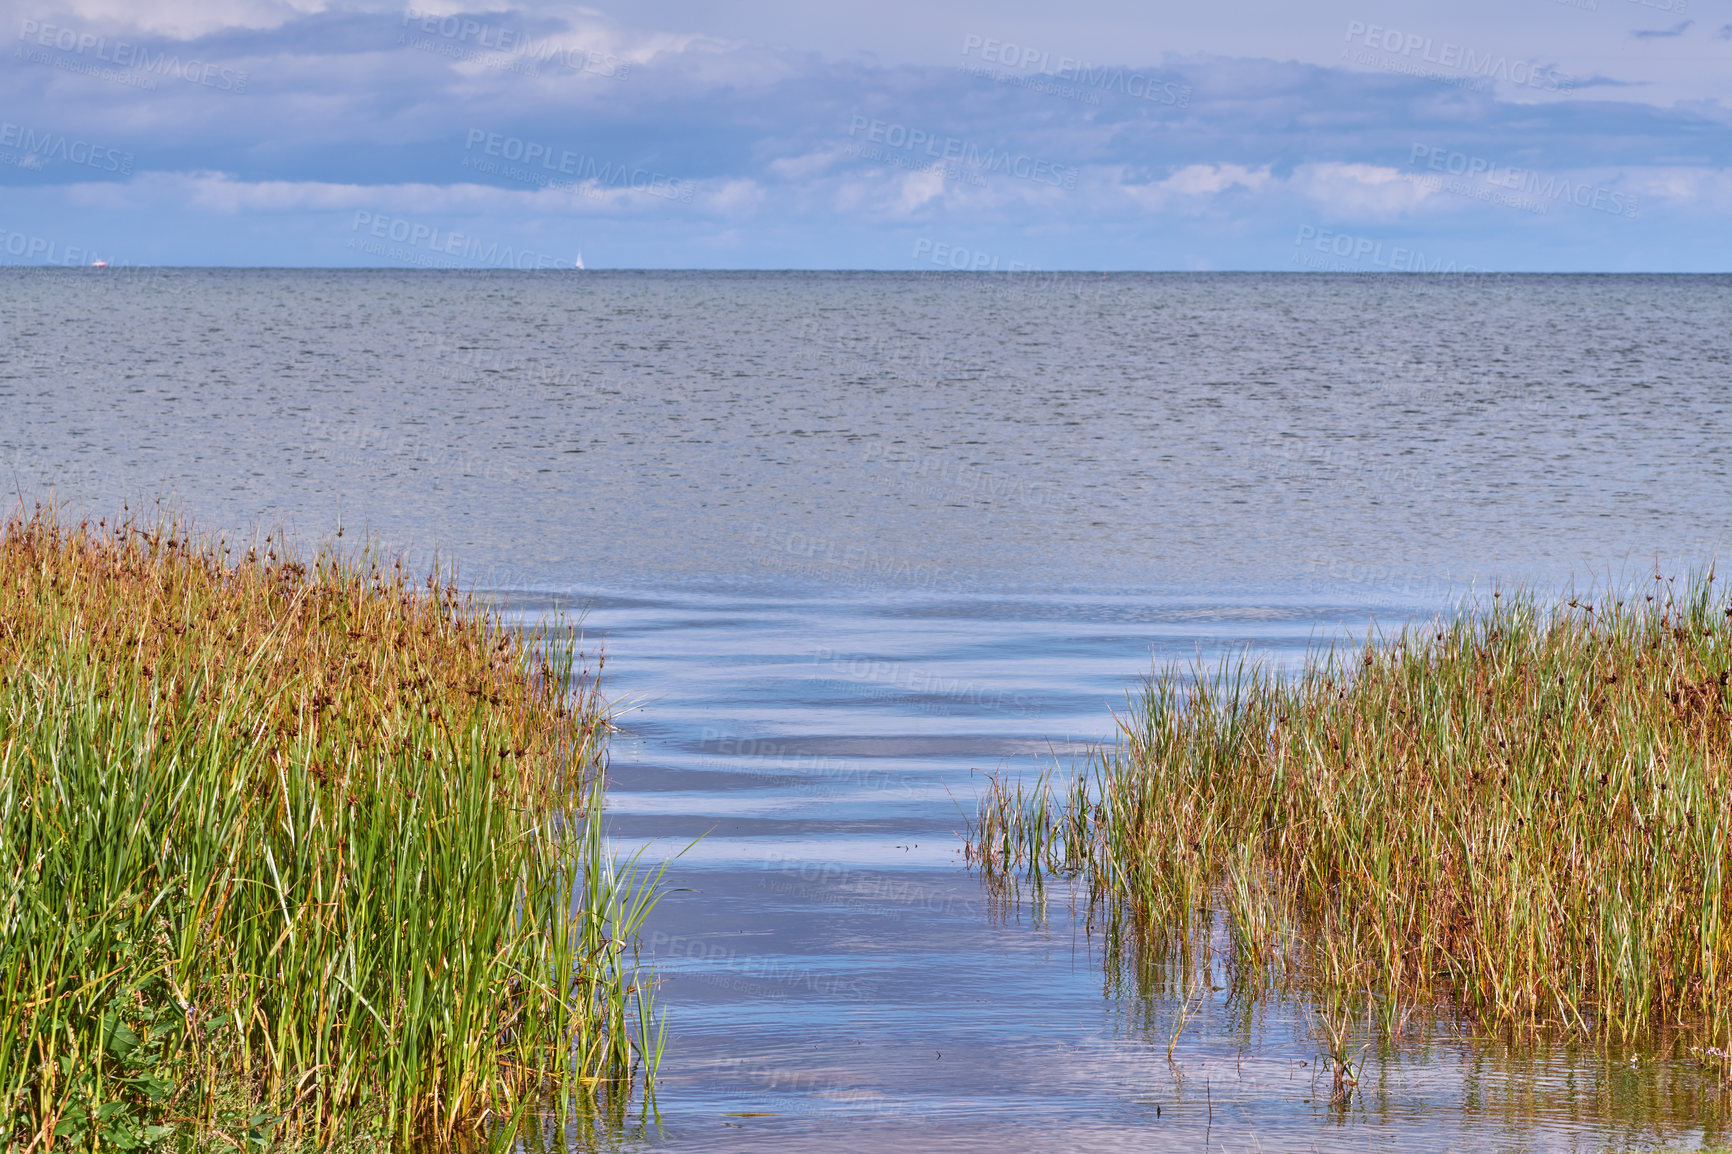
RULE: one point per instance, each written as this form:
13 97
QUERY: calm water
851 541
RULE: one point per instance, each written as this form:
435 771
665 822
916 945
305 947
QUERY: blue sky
1527 135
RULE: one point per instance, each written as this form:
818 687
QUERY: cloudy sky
1520 135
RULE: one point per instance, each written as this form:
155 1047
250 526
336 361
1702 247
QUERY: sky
1473 136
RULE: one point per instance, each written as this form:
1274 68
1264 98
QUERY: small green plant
115 1092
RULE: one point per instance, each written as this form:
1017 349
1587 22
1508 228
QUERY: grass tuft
291 851
1523 813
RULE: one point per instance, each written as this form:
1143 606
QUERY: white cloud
183 21
1359 190
807 165
218 192
918 188
876 197
1196 181
1709 188
735 197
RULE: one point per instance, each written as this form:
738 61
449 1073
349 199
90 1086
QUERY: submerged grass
294 852
1523 813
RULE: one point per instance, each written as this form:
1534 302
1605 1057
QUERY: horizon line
947 272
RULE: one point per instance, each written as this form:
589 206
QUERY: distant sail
579 263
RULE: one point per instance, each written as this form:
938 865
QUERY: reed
292 851
1523 813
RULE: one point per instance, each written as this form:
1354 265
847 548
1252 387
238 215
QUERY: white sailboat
579 263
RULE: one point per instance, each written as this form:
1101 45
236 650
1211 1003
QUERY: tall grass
1524 812
289 849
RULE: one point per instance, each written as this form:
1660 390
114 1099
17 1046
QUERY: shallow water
852 541
829 964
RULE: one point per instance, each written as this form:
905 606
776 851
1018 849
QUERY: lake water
852 541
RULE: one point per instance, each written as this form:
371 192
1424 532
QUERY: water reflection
835 970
